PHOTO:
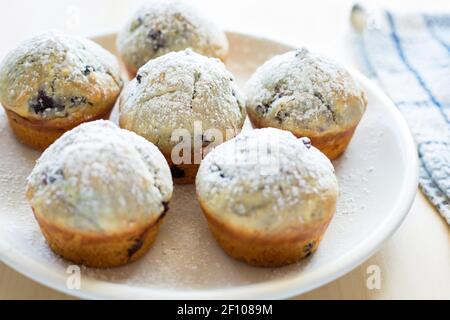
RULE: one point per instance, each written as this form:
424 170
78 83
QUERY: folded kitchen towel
409 55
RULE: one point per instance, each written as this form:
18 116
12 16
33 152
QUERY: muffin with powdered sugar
183 100
162 26
100 194
309 95
53 82
268 196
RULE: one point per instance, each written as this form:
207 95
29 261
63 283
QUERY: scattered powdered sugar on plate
3 122
350 178
185 256
41 67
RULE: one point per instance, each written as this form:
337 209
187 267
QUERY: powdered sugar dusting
99 177
163 26
267 177
177 89
185 257
300 89
49 61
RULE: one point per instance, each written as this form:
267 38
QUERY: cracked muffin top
55 76
163 26
267 180
304 93
177 92
100 178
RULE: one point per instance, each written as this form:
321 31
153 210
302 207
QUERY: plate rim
274 289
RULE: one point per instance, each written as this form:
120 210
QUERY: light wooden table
414 263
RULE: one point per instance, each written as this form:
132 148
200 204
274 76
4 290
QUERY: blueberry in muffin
268 196
163 26
99 194
52 82
309 95
183 98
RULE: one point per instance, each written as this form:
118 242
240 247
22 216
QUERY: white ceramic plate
378 179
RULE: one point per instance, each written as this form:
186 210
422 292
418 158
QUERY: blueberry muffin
268 196
162 26
308 95
185 104
52 82
99 194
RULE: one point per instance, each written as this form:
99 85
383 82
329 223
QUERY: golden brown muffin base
40 134
182 173
266 250
333 144
99 251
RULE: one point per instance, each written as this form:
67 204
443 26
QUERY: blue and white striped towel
409 54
